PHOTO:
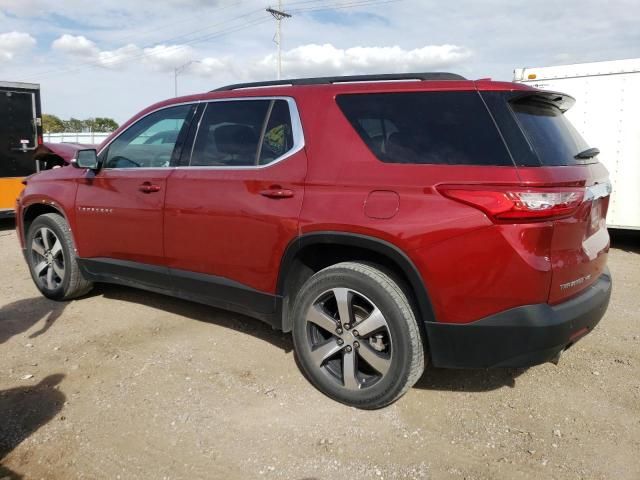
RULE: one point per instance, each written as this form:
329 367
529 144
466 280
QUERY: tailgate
580 242
550 153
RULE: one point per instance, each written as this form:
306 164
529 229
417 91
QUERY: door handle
277 192
148 187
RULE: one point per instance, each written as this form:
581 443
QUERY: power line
172 25
97 63
280 14
338 6
253 12
212 35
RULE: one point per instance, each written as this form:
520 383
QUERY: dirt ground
125 384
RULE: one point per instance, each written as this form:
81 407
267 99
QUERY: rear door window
439 128
243 133
278 135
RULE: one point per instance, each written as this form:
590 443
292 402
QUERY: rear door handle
276 192
148 187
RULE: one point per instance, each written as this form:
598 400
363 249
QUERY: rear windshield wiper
588 153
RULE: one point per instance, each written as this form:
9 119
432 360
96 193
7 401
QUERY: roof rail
386 77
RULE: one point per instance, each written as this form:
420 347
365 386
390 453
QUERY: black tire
397 345
66 281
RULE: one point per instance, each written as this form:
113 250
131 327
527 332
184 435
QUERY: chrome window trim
296 131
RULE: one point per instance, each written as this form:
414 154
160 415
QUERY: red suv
383 220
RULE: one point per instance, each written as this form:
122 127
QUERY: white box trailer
606 114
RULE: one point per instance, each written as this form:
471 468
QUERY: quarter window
441 128
150 142
243 133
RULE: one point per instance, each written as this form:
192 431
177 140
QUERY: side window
438 128
148 143
243 133
377 132
278 135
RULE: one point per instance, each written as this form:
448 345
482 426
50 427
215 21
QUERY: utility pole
177 71
279 14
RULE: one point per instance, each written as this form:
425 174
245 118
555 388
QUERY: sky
112 58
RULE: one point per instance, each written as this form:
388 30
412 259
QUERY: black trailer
20 135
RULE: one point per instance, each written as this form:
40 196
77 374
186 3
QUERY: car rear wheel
356 336
52 260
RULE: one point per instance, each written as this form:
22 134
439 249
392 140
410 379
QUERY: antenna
279 14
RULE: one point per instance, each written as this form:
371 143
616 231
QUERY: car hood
66 151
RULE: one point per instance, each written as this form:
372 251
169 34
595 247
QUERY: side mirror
86 159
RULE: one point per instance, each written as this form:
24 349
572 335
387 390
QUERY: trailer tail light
508 204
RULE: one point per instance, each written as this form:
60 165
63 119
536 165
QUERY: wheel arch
313 251
35 209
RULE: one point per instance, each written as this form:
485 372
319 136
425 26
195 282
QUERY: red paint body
218 222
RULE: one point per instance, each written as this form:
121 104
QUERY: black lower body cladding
522 336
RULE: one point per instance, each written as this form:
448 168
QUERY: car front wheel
52 260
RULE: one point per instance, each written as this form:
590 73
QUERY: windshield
549 132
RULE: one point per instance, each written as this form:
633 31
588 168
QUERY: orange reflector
532 76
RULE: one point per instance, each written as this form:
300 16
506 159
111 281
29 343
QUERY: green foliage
102 124
52 124
73 125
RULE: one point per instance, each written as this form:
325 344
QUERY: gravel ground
125 384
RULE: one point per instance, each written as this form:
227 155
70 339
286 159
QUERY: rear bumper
522 336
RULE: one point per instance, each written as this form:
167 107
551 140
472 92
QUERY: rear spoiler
561 100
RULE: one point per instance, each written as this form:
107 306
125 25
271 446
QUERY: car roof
404 82
348 84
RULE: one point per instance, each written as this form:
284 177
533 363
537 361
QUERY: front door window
150 142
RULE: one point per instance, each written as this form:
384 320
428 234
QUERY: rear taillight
509 204
40 142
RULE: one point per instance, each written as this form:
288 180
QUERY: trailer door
18 133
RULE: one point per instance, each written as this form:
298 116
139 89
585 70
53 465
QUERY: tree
101 124
73 125
52 124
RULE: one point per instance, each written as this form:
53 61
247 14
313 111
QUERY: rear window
441 128
549 132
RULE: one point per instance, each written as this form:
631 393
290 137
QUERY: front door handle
277 192
148 187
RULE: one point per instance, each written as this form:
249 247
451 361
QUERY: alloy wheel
349 338
47 259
